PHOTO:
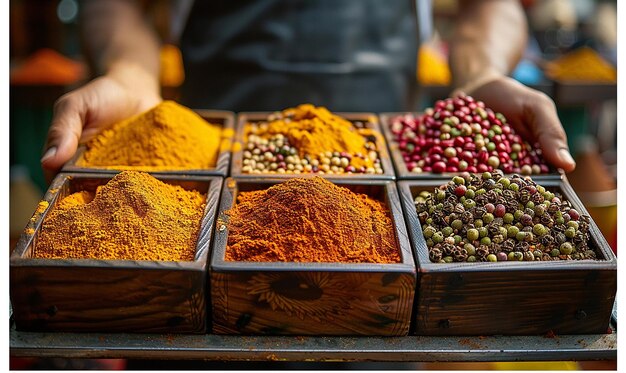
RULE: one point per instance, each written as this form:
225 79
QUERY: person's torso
348 55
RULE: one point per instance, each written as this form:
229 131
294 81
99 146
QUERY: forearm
488 41
118 42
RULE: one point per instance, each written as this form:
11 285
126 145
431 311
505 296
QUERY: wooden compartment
370 120
225 119
80 295
511 298
312 298
403 173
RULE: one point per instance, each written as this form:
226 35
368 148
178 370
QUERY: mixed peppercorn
492 217
461 134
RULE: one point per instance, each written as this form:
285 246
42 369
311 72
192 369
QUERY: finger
64 133
549 133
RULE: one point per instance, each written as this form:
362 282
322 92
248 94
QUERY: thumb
550 134
63 135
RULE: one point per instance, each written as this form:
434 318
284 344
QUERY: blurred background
571 56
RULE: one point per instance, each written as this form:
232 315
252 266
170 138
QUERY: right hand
84 112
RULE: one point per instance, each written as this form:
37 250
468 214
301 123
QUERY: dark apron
347 55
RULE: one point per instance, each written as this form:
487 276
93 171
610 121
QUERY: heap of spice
461 134
582 65
310 220
494 218
166 137
132 217
309 139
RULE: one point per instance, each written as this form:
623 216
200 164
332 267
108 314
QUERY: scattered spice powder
133 217
166 137
310 220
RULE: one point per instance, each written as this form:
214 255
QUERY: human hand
84 112
530 112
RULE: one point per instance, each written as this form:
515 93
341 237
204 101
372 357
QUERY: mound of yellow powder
167 137
584 65
315 129
133 217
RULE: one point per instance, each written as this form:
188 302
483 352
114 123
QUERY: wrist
471 84
136 79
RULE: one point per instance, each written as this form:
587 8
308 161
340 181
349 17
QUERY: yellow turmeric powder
310 220
582 64
132 217
316 133
167 137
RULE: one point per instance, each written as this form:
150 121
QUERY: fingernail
566 156
49 154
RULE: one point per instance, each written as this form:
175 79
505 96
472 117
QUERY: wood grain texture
112 295
312 298
312 303
511 298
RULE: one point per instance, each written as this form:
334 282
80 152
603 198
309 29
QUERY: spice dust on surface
132 217
310 220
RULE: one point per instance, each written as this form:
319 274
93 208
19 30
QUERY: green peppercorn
540 189
566 248
486 175
483 232
469 203
457 239
429 242
570 232
485 241
517 215
447 231
448 259
540 210
520 236
505 182
472 234
471 250
559 220
540 229
512 231
507 218
429 231
504 232
514 187
458 180
492 258
471 259
469 193
530 205
478 223
457 224
555 252
519 256
529 256
480 191
429 221
488 217
573 224
511 256
437 237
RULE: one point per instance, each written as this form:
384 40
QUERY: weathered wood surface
112 295
312 298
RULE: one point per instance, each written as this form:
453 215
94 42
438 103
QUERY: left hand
530 112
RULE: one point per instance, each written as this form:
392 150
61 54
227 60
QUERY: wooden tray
377 301
511 298
370 120
81 295
226 119
402 172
